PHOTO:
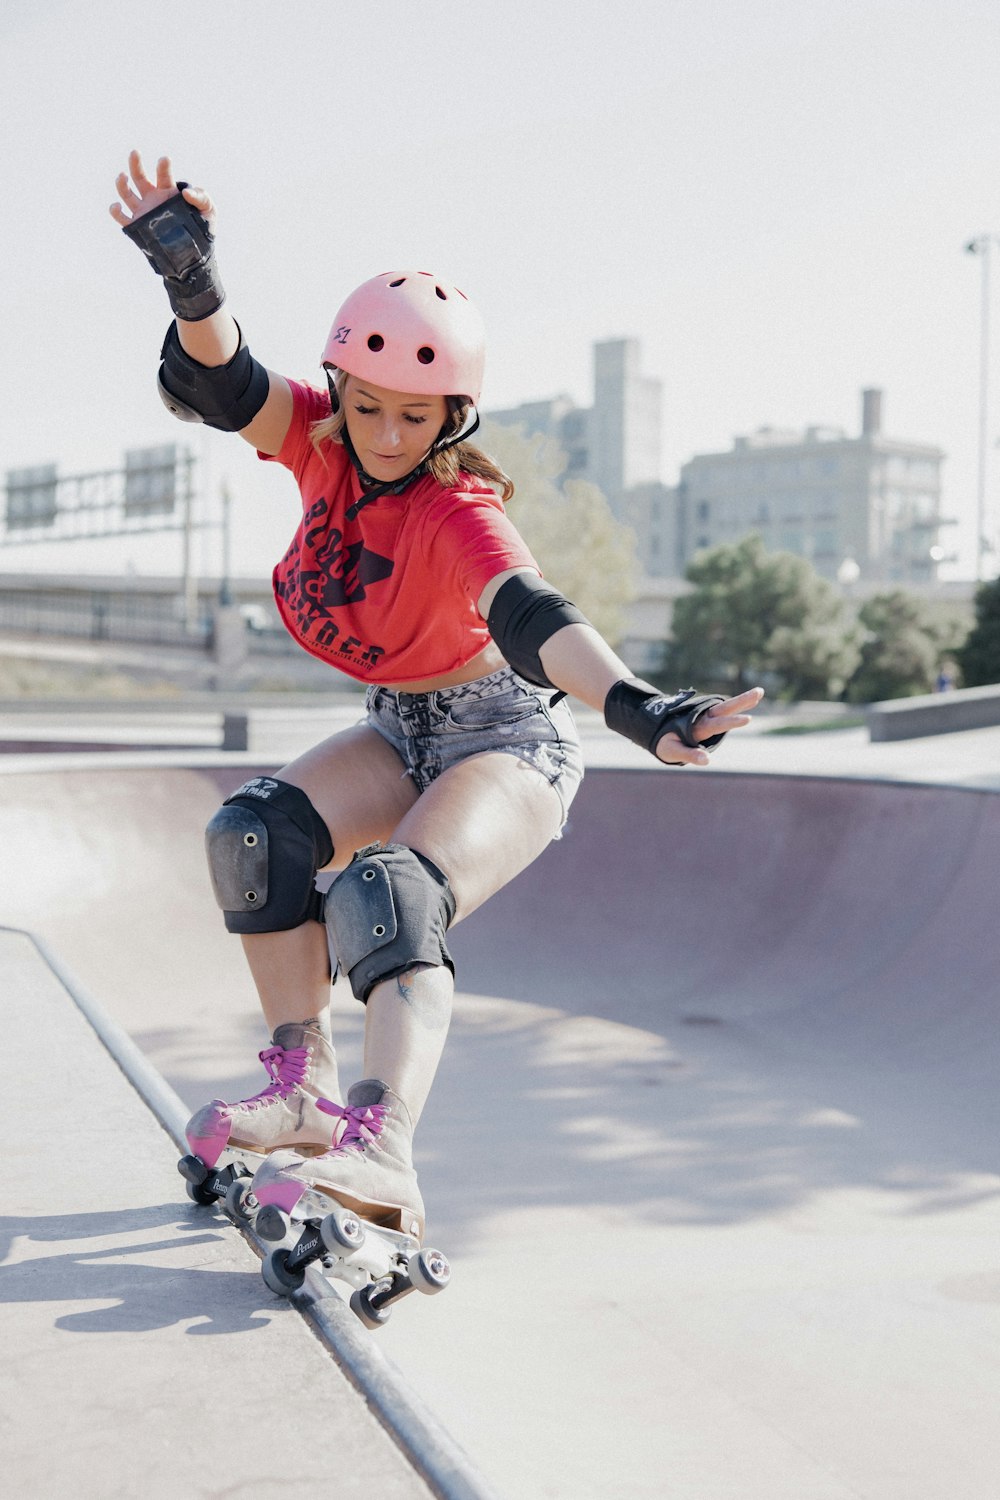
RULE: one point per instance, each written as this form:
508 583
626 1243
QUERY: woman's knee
264 846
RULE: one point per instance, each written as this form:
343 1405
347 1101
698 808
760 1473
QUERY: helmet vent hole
376 343
398 282
441 294
425 355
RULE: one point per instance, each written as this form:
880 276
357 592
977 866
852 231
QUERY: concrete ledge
192 723
934 713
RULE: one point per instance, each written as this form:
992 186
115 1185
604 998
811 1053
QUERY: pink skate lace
363 1122
287 1067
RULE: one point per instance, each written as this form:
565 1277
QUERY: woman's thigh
482 822
358 785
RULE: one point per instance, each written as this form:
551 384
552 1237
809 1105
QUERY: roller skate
356 1209
229 1141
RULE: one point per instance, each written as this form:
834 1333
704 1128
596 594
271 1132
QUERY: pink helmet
410 331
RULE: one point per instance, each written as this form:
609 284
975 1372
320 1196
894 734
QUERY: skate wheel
429 1272
342 1230
271 1223
236 1201
277 1277
199 1194
193 1169
371 1317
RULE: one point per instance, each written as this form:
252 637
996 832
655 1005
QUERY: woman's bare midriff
489 660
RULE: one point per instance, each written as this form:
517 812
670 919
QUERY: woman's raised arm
207 373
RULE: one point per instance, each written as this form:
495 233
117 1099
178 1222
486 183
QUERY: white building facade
858 508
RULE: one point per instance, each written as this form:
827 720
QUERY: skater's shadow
153 1267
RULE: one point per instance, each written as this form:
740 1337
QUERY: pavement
132 1320
712 1148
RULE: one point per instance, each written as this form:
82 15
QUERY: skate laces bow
287 1067
363 1122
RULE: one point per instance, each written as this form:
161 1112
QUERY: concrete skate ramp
714 1140
847 907
859 913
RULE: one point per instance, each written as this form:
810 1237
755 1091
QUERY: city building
864 508
616 444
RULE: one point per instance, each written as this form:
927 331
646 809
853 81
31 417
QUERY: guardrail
934 713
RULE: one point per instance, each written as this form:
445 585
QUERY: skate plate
380 1264
227 1183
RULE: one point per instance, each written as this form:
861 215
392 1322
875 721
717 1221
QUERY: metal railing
103 616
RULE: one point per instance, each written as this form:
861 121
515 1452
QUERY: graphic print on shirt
320 573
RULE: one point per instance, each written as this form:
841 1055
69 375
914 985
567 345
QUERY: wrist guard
643 715
180 247
226 397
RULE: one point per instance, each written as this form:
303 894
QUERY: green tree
900 650
753 614
579 546
979 656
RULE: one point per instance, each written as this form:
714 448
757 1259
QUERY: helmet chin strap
373 489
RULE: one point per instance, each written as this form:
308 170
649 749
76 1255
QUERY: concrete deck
142 1355
713 1147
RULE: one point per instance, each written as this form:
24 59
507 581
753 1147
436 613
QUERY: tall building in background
858 508
616 444
625 422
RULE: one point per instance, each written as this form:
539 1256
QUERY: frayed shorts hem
501 712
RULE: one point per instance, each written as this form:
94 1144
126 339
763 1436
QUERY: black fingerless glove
180 247
644 715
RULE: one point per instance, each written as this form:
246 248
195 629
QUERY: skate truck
381 1265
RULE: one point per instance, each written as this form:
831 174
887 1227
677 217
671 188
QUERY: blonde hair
446 467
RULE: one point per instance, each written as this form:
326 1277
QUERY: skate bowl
714 1144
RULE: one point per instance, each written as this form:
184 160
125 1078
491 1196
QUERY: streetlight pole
982 246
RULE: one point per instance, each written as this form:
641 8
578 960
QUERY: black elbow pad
227 397
522 617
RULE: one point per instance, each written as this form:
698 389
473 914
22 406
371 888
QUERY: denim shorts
432 731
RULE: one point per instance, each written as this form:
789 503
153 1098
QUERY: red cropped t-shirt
390 596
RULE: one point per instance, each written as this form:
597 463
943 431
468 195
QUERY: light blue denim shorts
432 731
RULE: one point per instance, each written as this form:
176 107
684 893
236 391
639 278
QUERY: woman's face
392 431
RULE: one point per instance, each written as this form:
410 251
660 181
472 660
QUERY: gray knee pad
264 846
389 910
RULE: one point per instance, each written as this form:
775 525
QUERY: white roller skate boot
369 1170
303 1070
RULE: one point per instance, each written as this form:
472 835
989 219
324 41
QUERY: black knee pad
390 909
264 846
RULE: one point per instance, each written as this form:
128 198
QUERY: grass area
23 677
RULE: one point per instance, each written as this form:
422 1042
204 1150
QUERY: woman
405 574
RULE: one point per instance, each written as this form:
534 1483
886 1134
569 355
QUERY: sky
773 197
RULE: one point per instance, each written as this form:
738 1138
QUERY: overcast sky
772 196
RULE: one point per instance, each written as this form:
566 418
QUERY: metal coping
433 1452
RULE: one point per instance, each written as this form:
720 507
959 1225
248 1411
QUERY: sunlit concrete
141 1353
713 1148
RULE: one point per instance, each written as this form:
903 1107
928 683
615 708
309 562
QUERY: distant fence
100 616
